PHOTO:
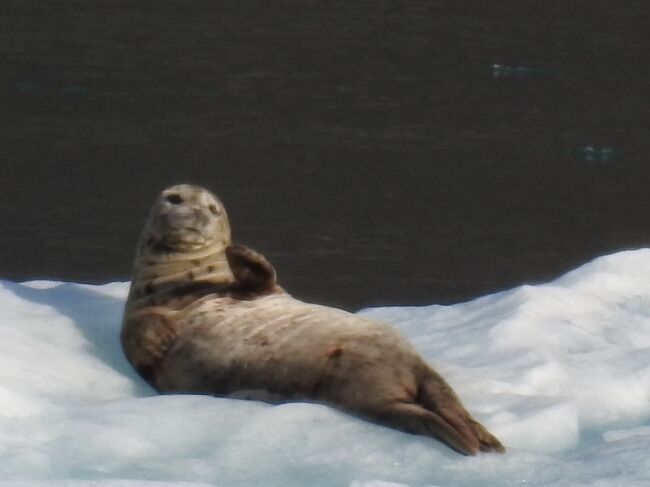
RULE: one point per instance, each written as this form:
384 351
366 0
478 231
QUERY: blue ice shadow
96 315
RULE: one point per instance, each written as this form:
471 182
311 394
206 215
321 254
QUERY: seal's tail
450 422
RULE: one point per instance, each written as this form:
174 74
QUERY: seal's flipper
146 339
253 273
414 418
437 396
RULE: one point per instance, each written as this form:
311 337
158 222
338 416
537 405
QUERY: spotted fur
206 316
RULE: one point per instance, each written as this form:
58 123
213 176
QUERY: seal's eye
214 210
174 199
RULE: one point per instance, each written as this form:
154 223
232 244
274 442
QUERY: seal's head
181 254
186 218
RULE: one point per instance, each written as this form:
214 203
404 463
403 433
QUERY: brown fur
207 316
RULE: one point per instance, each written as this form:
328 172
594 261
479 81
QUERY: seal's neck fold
157 276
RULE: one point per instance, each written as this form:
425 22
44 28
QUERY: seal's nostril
214 210
175 199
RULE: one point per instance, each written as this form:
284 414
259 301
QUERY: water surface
378 152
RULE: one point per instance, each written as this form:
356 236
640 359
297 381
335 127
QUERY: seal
207 316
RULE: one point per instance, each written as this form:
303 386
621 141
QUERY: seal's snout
180 216
190 218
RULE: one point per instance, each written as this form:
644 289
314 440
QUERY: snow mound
560 372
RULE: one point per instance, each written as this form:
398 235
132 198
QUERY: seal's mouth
183 236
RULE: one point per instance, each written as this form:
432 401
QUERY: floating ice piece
590 153
506 71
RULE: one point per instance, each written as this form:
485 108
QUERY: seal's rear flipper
414 418
438 397
253 273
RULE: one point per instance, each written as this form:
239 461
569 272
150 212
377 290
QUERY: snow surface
560 372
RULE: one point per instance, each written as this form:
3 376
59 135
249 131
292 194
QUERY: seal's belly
277 347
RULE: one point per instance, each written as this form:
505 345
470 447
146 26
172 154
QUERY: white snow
560 372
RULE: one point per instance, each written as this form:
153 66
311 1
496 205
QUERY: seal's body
206 316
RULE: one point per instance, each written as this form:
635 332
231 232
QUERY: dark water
371 149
